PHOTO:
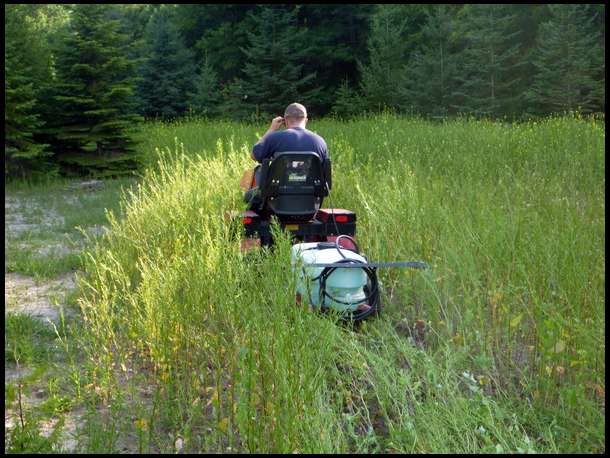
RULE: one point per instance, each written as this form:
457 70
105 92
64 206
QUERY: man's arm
275 125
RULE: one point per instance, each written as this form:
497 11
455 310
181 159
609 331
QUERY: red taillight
341 219
247 220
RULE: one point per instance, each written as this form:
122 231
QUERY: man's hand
276 123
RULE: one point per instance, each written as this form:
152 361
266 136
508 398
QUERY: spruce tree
234 104
528 18
598 15
167 73
387 55
206 98
273 75
348 102
567 61
217 32
426 82
24 72
395 31
486 76
337 34
95 81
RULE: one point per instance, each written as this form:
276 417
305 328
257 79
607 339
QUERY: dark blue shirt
293 139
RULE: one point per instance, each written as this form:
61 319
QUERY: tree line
79 77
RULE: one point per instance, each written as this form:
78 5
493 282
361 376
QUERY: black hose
372 298
332 209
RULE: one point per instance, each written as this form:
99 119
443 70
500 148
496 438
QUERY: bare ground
41 299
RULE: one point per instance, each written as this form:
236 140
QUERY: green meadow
183 343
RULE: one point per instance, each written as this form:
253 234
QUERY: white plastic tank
344 285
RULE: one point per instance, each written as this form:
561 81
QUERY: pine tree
216 32
394 35
528 18
426 82
337 34
167 73
486 74
387 55
206 98
567 61
273 75
598 15
348 102
234 104
24 71
95 81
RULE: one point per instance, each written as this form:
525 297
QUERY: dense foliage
92 95
166 74
23 77
71 70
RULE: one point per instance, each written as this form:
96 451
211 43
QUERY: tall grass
499 347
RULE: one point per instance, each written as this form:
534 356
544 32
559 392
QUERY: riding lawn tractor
331 272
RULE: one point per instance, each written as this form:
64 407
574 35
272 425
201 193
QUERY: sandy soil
42 299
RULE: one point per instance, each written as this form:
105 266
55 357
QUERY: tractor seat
293 185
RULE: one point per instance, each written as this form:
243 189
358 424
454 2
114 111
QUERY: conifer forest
79 76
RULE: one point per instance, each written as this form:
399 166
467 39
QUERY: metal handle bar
373 265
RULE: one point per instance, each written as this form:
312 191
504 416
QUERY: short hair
295 110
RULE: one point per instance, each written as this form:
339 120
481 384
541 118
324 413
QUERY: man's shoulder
280 135
275 135
315 135
320 141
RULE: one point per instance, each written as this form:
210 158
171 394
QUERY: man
294 138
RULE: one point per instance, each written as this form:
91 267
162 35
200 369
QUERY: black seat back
293 184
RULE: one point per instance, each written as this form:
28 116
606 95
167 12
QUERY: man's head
295 115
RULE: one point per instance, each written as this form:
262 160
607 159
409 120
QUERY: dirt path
28 225
45 226
41 299
23 294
